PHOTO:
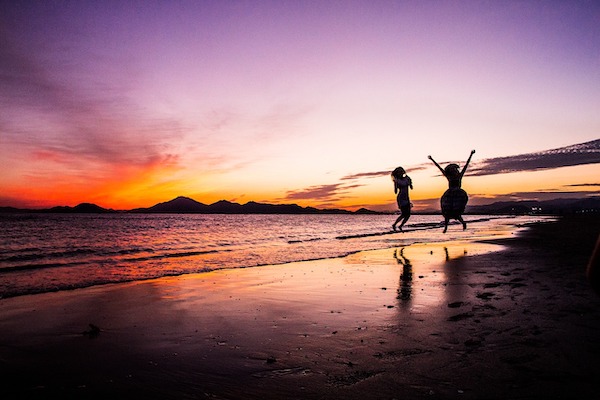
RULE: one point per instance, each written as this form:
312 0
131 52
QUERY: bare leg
398 220
446 220
404 221
464 224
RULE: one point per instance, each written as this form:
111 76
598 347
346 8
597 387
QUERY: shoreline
441 320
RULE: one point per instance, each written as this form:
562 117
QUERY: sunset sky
129 103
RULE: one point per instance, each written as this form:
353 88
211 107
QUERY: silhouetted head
398 172
451 169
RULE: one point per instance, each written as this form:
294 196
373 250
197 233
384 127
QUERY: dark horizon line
186 205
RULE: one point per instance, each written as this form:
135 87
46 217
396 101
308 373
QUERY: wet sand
513 318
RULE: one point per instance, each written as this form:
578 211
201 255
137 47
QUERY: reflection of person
593 268
401 184
454 200
405 289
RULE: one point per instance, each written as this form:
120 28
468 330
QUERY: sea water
49 252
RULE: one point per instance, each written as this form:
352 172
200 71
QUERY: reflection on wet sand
448 258
432 275
406 277
456 288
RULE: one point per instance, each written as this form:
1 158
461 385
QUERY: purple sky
130 103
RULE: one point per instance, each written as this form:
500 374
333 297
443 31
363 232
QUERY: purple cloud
72 123
577 154
321 193
379 174
366 175
584 185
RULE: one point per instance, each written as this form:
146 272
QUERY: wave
407 228
40 266
177 255
41 254
411 228
293 241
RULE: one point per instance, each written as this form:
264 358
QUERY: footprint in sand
485 295
460 317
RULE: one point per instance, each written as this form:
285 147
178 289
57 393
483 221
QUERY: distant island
186 205
548 207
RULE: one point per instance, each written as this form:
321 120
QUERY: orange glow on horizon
134 187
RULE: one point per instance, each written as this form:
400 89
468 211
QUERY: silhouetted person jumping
454 200
401 184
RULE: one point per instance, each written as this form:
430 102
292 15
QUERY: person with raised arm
454 200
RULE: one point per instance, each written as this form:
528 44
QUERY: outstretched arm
437 165
467 164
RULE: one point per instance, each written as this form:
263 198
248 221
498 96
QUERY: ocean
51 252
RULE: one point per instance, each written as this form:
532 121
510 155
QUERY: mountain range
185 205
549 207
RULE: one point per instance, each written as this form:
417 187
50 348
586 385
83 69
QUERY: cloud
366 175
584 185
22 80
322 193
73 124
379 174
578 154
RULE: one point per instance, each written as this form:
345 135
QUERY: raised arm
467 164
437 165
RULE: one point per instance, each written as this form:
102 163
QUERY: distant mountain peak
181 198
88 208
180 204
224 202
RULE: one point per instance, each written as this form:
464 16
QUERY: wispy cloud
322 193
379 174
366 175
584 185
76 127
578 154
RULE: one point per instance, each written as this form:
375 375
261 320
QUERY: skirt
454 202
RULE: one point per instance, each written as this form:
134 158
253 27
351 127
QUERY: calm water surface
49 252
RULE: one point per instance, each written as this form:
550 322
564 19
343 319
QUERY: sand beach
507 319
